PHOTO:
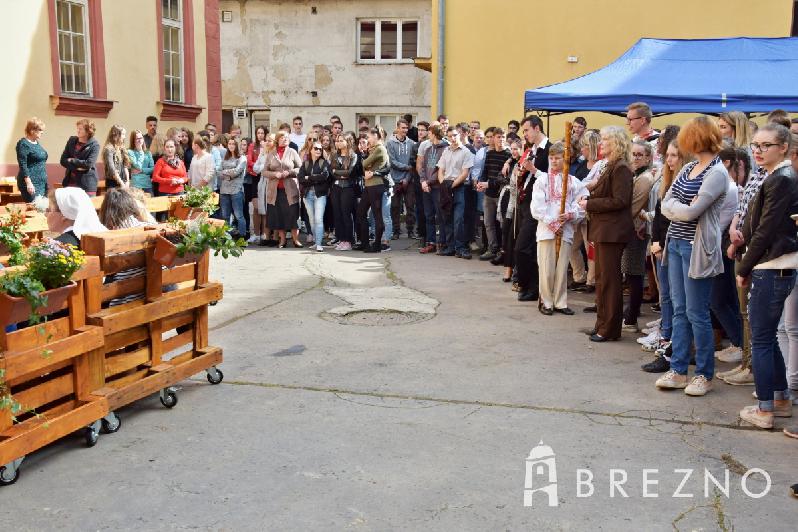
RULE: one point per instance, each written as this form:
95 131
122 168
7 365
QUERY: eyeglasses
638 155
632 119
764 147
316 148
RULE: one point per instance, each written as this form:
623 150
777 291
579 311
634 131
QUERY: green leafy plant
199 198
23 284
198 235
12 237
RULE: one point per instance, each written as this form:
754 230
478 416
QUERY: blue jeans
724 303
386 215
691 318
665 303
434 216
769 290
454 227
234 202
315 207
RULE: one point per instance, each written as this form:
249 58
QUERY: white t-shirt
298 139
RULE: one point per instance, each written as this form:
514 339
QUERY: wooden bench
142 337
48 372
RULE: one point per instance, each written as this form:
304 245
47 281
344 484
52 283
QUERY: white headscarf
76 205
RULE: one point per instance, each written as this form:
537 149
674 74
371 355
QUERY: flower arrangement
53 263
199 199
191 238
12 237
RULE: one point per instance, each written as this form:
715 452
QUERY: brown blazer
290 162
608 207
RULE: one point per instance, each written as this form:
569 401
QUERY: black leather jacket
318 175
768 230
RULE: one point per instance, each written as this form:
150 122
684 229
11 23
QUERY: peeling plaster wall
275 53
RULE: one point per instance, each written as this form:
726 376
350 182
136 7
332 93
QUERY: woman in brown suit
281 167
610 227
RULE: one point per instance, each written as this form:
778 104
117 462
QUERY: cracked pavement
321 425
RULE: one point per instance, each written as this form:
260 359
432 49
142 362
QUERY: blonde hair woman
735 127
260 223
610 229
116 159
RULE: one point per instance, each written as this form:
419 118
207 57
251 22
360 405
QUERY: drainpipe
441 49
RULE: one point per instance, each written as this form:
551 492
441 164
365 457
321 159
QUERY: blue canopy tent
752 75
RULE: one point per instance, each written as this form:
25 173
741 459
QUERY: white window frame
178 24
378 40
86 46
377 119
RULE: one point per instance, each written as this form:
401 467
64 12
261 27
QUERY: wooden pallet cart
48 372
140 336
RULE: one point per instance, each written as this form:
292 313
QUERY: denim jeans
788 339
434 216
234 203
315 207
386 214
665 303
691 317
769 290
455 229
724 303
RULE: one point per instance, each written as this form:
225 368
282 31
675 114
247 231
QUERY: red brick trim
159 51
72 106
179 112
96 49
189 68
213 59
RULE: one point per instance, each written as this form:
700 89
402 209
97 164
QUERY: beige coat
272 165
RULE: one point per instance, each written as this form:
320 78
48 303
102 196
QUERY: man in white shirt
296 136
454 167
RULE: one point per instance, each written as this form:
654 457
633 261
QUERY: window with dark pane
388 40
409 40
368 40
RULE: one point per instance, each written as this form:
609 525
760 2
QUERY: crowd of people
695 220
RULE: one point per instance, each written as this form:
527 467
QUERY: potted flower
12 239
43 287
196 202
186 242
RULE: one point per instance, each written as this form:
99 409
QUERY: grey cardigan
706 260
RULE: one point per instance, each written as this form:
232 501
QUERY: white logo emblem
541 474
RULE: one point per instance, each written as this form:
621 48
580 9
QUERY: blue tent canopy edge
748 74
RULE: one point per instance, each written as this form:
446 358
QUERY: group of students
703 212
709 208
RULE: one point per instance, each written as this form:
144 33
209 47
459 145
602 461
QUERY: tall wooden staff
565 171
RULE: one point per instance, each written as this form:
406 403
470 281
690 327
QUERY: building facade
494 51
115 62
318 58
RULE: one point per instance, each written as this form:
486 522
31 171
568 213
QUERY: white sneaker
319 249
631 327
654 323
652 346
731 354
649 330
253 239
698 386
650 337
672 381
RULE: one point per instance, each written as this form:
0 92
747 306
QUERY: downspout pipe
441 50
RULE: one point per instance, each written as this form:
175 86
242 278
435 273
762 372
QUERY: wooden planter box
166 254
17 309
182 212
48 368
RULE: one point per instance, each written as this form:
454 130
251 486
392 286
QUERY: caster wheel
169 399
109 427
91 436
7 477
215 376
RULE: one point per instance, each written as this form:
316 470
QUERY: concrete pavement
402 391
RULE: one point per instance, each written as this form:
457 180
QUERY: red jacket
252 157
163 175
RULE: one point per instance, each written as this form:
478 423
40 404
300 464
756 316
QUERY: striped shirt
685 190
